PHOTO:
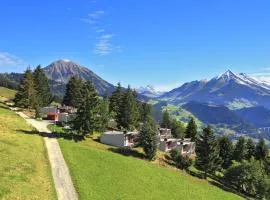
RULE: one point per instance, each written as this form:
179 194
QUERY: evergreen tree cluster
245 165
92 111
129 113
34 91
127 110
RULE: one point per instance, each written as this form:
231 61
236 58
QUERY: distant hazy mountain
59 73
11 80
149 91
230 89
257 116
213 114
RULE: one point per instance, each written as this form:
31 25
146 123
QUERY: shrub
180 161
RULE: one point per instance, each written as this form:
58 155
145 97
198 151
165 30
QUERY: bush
181 162
248 177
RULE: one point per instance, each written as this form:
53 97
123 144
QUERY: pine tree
115 99
250 149
166 120
261 151
44 96
178 129
73 93
129 112
207 152
116 104
87 119
147 139
26 95
226 151
104 114
145 111
240 149
191 130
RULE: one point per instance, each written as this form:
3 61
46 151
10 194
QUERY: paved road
61 176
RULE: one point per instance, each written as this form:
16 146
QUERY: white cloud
263 74
258 74
89 21
9 60
96 14
100 30
266 69
93 17
104 45
106 37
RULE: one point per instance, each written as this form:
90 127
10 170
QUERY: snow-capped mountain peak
228 75
224 89
149 91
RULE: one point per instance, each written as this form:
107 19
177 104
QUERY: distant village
61 115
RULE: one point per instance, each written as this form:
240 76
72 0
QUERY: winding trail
63 184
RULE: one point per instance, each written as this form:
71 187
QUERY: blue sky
138 42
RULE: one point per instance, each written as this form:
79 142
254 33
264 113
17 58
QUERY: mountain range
232 90
236 100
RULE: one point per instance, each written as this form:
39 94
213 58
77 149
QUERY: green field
7 93
103 175
24 167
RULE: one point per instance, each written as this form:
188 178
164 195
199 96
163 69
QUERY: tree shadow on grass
227 188
4 107
127 152
66 136
167 159
197 174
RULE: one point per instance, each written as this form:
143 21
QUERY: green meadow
7 93
24 167
99 173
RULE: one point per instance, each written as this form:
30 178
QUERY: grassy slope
24 167
100 174
7 93
181 114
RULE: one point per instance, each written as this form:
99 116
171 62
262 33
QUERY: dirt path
61 176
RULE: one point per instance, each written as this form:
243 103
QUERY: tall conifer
250 149
26 95
87 118
240 149
166 120
207 152
44 96
129 111
261 151
74 94
147 138
191 130
116 104
226 151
